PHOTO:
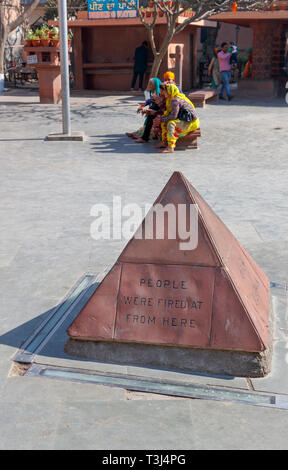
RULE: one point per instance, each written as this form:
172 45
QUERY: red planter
55 42
28 42
35 42
45 42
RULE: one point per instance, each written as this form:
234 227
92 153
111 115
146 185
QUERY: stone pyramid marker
205 305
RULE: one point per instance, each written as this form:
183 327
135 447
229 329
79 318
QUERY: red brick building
269 57
104 51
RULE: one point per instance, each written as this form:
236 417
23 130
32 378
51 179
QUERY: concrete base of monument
175 358
193 360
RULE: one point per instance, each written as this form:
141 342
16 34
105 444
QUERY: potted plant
44 30
142 11
70 37
28 38
274 7
148 12
45 41
52 32
44 36
35 40
150 4
283 6
55 40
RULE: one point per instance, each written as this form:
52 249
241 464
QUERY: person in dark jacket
140 64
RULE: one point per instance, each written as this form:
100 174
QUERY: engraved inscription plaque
165 304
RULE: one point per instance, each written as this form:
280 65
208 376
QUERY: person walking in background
213 70
225 70
140 64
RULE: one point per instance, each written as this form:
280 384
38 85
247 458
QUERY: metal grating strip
149 385
82 291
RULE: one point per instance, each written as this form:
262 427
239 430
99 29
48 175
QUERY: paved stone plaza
47 192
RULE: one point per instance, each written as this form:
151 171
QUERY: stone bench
200 97
189 141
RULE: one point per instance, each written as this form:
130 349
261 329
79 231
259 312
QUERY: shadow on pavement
120 143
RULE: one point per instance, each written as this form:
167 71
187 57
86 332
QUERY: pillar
262 50
78 58
268 49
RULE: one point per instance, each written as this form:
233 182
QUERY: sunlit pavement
47 192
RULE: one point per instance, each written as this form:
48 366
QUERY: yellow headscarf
173 92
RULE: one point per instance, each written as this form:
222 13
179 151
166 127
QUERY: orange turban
169 76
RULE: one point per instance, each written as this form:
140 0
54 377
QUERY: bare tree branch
26 13
174 10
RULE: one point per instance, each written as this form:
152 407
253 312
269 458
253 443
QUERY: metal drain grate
77 296
172 388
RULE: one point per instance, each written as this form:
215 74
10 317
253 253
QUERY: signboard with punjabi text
107 9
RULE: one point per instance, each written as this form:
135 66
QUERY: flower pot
150 4
161 13
284 6
274 7
69 42
45 42
36 42
28 42
148 14
55 42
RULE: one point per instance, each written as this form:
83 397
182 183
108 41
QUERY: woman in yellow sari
179 118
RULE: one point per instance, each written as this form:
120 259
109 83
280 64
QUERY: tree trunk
156 66
161 54
3 38
2 52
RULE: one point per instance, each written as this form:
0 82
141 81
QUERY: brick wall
268 50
